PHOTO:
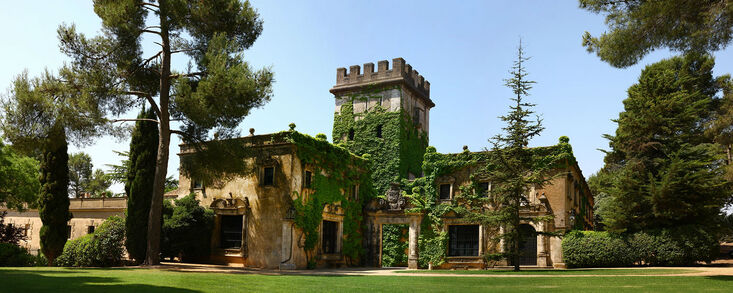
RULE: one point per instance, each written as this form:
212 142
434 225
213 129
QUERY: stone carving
394 199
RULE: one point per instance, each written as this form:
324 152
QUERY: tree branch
136 119
200 73
150 99
152 32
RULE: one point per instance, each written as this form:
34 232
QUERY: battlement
400 71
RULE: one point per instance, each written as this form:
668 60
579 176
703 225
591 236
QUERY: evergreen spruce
512 169
53 203
139 184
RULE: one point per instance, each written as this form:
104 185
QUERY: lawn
595 272
144 280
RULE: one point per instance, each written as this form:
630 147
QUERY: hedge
677 246
12 255
103 248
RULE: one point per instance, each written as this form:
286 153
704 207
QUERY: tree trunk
156 204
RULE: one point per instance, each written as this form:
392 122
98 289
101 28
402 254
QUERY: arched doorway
528 245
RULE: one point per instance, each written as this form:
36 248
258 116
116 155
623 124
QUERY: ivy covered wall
395 144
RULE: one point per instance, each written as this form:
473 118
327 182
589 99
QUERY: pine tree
637 27
670 172
512 168
214 94
53 203
139 184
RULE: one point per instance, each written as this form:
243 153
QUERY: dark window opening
27 228
379 131
351 134
354 192
231 232
68 232
416 116
197 184
308 179
90 229
463 240
268 178
330 236
445 191
483 188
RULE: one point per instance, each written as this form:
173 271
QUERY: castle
314 203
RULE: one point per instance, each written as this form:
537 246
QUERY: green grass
142 280
595 272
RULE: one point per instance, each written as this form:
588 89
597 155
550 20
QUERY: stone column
542 247
414 234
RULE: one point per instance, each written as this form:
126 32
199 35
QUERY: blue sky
464 49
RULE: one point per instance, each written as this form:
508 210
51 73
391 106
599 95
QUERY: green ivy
394 245
335 170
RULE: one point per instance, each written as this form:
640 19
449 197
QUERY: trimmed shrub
678 246
595 249
12 255
103 248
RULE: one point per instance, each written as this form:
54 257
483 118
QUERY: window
26 232
351 134
231 232
268 176
416 116
197 184
90 229
330 236
463 240
379 131
483 188
68 232
308 179
445 191
355 192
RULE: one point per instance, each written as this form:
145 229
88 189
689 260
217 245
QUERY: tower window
445 191
379 131
483 189
351 134
90 229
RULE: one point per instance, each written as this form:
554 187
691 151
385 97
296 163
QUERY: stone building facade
381 129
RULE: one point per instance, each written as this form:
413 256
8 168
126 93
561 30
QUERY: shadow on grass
720 278
60 281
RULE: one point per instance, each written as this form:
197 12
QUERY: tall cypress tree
53 203
139 185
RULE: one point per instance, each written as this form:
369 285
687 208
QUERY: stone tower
385 114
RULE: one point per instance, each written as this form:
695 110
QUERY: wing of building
309 202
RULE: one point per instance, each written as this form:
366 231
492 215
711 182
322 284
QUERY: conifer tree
670 173
512 168
638 27
212 96
139 184
53 202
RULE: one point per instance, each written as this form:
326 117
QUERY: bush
595 249
12 255
678 246
103 248
186 229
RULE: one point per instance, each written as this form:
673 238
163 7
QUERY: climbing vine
394 245
423 192
396 146
335 171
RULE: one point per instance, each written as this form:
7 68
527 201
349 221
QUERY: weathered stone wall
86 212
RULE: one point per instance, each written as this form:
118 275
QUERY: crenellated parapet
400 72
